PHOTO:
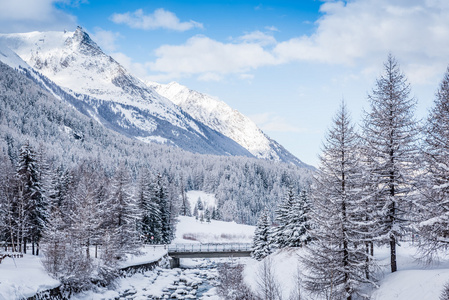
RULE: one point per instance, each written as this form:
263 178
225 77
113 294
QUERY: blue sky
285 64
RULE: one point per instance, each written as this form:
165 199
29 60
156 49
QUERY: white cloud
273 122
353 33
105 39
160 18
246 76
210 76
271 28
29 15
201 55
366 30
258 37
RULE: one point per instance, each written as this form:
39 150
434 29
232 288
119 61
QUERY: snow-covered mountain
100 87
222 118
75 69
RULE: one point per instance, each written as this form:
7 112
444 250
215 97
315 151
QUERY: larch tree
433 205
390 134
334 260
123 212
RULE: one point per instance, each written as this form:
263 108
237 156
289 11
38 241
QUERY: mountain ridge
108 93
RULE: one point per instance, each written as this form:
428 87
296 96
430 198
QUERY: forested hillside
67 138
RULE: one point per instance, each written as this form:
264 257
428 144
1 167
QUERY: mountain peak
82 40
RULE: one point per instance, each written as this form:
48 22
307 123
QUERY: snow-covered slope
110 94
222 118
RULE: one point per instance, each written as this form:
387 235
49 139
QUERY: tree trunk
394 267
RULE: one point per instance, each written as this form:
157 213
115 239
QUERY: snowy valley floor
413 281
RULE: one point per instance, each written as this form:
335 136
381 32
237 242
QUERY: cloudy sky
285 64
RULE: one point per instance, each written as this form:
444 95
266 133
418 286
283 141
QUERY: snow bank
189 230
413 281
24 277
149 254
284 265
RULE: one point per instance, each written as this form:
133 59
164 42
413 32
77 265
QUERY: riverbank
22 278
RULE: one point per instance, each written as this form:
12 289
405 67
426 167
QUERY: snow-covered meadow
413 280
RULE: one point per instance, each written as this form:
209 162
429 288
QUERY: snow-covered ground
148 254
189 230
207 199
412 281
23 277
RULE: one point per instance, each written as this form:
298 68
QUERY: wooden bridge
178 251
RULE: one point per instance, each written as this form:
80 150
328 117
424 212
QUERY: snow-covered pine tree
334 260
150 222
199 204
433 205
207 214
8 202
390 134
262 243
283 212
33 194
185 204
296 232
195 211
160 197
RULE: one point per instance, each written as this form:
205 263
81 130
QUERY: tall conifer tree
433 207
335 262
390 135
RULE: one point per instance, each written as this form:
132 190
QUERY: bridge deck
178 251
207 248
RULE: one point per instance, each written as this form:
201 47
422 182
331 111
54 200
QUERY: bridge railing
173 248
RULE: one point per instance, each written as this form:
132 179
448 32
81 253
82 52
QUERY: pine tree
390 135
297 229
335 264
185 204
200 204
160 197
207 215
433 207
31 192
150 222
261 243
283 214
8 202
195 211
